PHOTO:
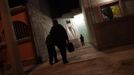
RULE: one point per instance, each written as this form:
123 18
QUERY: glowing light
79 19
107 0
103 1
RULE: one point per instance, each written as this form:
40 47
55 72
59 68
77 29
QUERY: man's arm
65 34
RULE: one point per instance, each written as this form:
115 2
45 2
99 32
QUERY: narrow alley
34 33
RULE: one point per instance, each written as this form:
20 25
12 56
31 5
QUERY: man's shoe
51 63
65 62
56 61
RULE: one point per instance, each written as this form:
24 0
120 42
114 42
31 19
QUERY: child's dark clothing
82 40
51 50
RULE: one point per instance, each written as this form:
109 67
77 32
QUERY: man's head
55 22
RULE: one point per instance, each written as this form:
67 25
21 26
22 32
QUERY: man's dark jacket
58 34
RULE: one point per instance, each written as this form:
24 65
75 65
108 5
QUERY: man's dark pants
62 47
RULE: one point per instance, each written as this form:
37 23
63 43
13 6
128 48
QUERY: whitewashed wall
41 25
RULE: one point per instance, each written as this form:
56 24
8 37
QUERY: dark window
21 29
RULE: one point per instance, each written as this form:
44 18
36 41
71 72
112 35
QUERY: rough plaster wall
41 25
34 3
130 7
41 5
44 7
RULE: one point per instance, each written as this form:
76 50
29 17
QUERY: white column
11 43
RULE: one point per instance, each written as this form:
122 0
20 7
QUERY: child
51 50
82 40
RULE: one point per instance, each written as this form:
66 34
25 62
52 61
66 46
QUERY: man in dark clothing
60 39
51 50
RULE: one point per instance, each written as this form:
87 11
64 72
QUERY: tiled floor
89 61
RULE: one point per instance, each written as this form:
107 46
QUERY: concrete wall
129 7
109 33
45 8
41 24
88 20
115 33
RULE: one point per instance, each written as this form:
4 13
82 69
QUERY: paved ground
89 61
